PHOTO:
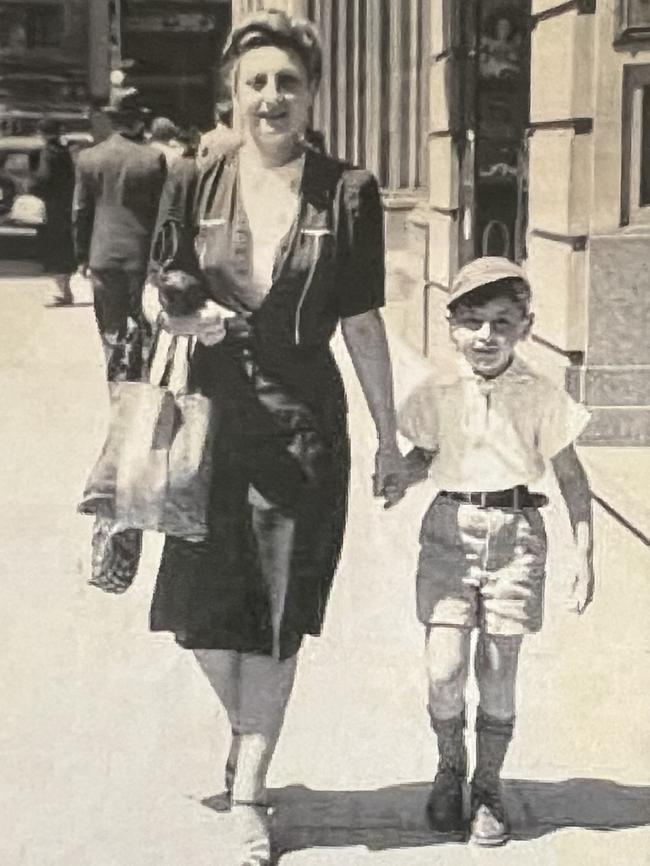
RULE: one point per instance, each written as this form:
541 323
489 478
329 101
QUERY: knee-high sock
264 688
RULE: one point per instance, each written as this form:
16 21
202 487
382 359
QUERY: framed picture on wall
634 20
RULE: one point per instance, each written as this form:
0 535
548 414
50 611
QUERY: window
24 28
634 20
635 174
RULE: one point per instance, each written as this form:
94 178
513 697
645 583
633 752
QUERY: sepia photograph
326 428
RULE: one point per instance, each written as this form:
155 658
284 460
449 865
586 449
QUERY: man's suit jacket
118 186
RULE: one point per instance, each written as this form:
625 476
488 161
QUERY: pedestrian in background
164 138
54 184
116 198
220 139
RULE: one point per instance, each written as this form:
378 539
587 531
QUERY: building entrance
171 52
497 108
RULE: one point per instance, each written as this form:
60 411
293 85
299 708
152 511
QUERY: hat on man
484 271
126 101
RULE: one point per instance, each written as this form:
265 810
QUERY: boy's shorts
481 568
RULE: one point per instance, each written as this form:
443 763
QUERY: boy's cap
482 272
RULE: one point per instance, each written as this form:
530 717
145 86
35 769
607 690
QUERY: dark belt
515 498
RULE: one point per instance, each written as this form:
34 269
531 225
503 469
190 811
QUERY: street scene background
111 739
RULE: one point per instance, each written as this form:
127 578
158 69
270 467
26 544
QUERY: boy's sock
445 804
493 736
452 756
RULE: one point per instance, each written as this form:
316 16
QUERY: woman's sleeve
360 245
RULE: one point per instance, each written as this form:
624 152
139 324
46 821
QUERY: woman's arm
365 338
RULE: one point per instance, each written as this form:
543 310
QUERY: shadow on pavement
394 817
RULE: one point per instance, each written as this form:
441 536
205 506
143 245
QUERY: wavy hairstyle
275 28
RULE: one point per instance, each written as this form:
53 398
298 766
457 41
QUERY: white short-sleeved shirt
490 434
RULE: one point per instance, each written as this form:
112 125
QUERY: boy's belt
514 497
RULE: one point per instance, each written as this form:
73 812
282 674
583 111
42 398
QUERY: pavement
111 738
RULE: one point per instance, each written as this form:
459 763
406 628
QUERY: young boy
490 426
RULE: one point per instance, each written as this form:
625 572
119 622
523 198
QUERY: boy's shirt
490 434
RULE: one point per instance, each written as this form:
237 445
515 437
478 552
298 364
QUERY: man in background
118 186
164 138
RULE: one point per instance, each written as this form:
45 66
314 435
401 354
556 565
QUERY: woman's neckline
248 156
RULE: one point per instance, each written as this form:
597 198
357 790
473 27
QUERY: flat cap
482 272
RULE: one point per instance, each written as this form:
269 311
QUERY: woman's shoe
255 832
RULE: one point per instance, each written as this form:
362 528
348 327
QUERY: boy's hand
582 590
413 468
395 488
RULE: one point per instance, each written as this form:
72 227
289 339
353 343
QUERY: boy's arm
576 493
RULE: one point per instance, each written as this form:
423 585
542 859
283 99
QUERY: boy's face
486 334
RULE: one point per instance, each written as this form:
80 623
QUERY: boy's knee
446 673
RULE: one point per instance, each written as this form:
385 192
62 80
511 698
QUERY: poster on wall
634 20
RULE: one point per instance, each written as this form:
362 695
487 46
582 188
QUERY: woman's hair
276 28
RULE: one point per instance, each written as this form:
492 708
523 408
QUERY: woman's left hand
207 324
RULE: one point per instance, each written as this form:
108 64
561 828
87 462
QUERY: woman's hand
389 464
207 324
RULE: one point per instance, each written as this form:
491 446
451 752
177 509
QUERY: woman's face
273 96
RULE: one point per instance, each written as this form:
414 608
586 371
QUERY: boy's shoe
489 824
445 803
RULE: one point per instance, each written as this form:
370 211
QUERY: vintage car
21 213
19 160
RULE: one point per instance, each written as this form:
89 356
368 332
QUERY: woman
288 242
54 183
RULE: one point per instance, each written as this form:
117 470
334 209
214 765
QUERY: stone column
560 168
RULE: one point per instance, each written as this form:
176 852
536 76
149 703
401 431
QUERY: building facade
44 60
517 127
567 193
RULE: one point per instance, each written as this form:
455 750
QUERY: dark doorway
171 51
497 111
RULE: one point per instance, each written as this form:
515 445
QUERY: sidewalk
111 737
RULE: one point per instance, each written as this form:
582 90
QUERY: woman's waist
245 341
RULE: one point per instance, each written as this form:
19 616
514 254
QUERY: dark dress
54 183
283 414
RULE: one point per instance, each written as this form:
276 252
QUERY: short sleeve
360 245
417 417
563 420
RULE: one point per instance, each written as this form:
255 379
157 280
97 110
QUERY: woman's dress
280 399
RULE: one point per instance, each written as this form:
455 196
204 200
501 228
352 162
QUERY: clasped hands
396 472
